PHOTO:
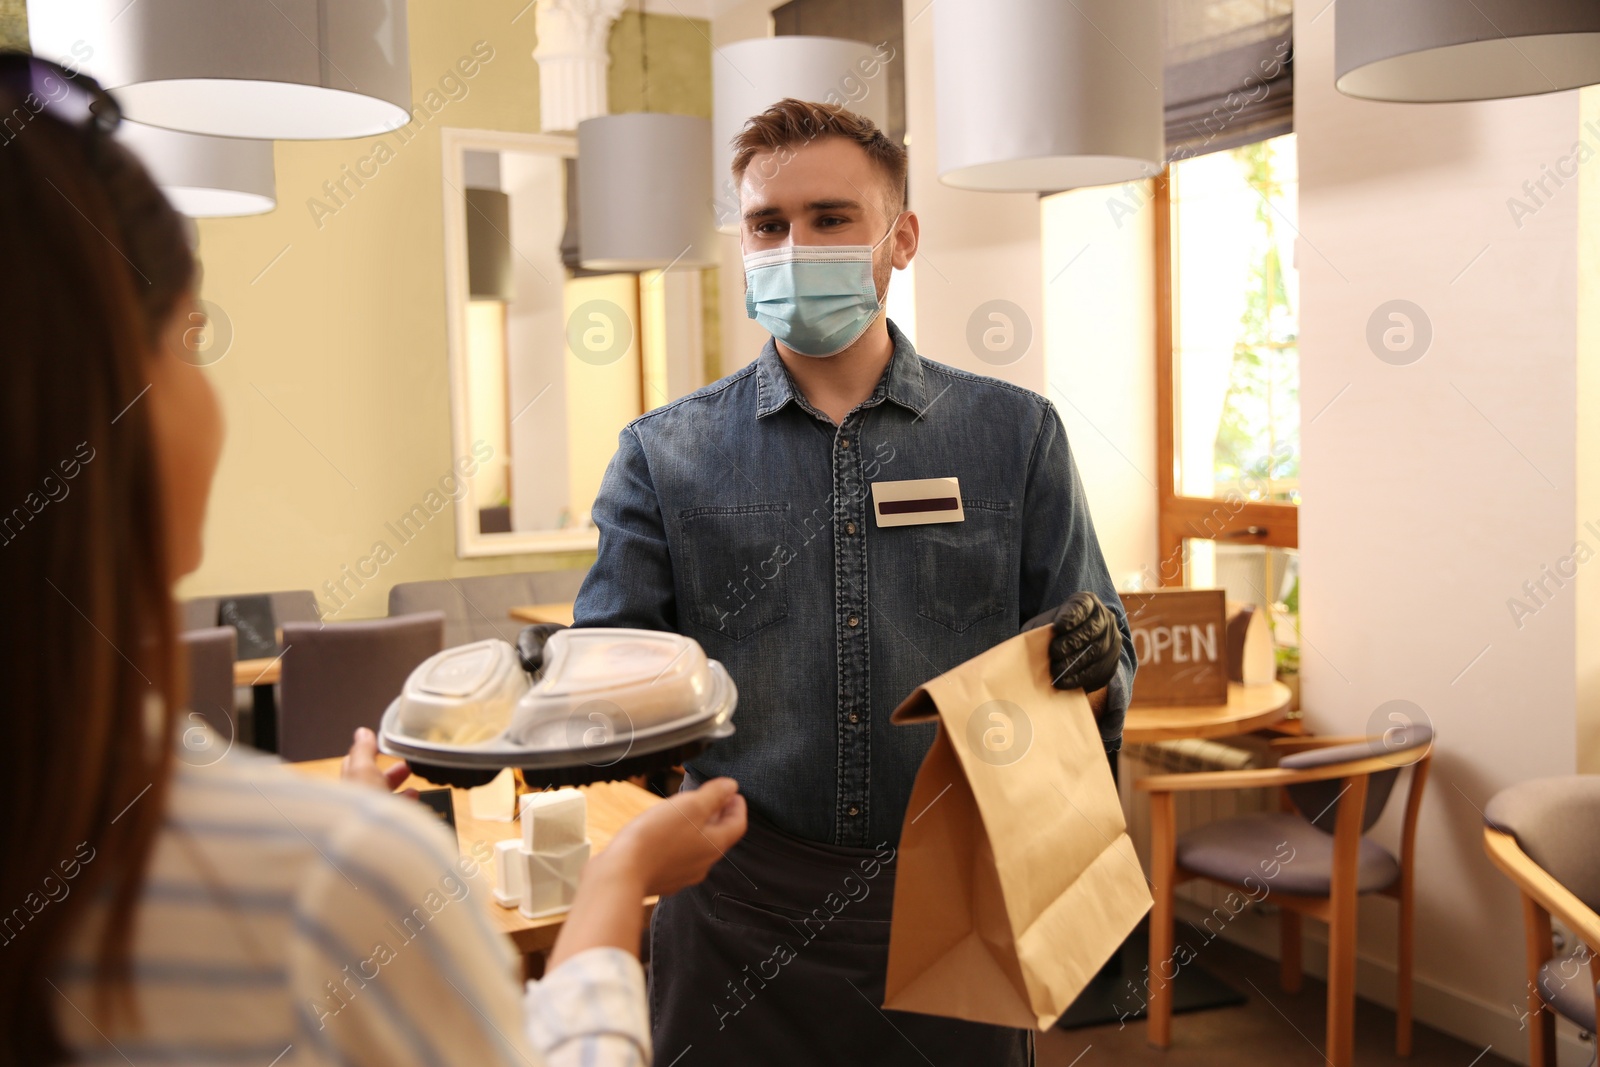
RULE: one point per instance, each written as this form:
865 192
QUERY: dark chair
1541 834
478 608
1336 788
290 605
339 676
495 519
210 655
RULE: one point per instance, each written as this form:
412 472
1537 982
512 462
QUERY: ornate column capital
572 59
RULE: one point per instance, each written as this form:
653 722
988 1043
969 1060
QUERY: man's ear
905 241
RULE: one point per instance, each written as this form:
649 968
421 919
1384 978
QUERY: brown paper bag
1016 879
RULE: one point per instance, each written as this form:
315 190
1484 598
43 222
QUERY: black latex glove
1086 645
530 645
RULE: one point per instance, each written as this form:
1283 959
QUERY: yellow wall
13 24
335 388
601 398
487 415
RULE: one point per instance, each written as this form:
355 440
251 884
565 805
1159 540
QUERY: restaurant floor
1273 1027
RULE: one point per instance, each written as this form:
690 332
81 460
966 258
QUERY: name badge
918 502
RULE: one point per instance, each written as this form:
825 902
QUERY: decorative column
572 59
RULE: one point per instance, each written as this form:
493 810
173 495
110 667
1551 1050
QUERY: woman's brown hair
93 261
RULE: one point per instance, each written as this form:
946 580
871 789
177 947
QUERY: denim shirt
741 516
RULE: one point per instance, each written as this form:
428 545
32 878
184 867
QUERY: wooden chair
1336 787
1541 834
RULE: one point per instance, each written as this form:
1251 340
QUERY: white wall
536 339
976 248
742 337
1099 337
1433 490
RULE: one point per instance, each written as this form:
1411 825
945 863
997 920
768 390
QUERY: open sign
1181 639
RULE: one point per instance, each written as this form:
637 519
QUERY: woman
158 907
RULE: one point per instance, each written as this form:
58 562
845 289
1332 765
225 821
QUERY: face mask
815 299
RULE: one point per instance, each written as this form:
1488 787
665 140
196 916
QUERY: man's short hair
791 123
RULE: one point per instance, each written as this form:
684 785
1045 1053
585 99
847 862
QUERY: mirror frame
454 142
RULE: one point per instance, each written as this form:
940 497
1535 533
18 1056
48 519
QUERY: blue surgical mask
815 299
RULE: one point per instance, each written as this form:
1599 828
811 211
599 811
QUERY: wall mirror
548 361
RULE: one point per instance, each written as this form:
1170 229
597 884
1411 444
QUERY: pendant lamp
490 273
1045 95
202 176
747 77
205 177
642 181
271 69
1431 51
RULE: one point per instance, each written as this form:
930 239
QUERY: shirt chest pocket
734 560
966 572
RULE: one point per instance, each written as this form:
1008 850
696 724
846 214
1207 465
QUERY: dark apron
778 959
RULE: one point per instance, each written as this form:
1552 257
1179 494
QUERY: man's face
825 192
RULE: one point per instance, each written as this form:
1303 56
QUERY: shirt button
854 810
849 527
853 621
844 442
854 717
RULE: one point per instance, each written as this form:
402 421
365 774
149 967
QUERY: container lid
463 695
604 696
615 682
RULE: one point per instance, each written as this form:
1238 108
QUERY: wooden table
611 804
1249 707
253 672
530 613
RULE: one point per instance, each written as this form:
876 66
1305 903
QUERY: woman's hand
361 765
674 843
668 847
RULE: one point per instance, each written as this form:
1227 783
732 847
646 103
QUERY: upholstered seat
1314 861
342 675
478 608
1564 985
1541 834
1233 851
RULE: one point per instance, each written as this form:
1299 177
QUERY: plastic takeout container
605 698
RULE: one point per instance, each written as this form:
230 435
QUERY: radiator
1192 809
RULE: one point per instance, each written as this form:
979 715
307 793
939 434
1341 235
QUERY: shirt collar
901 382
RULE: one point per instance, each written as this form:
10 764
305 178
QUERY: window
1228 382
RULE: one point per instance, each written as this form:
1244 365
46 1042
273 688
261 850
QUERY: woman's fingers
397 774
728 823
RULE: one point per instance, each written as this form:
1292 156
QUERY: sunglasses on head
39 86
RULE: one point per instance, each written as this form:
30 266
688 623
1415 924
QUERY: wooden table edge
1275 699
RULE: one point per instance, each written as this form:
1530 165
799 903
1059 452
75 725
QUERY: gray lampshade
275 69
1427 51
489 245
642 183
747 77
205 177
1043 95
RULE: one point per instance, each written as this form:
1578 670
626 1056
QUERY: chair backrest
1319 801
478 608
289 605
1554 821
338 676
210 655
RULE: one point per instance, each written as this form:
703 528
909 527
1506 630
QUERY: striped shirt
287 921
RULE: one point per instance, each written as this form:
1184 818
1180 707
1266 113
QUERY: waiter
786 519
